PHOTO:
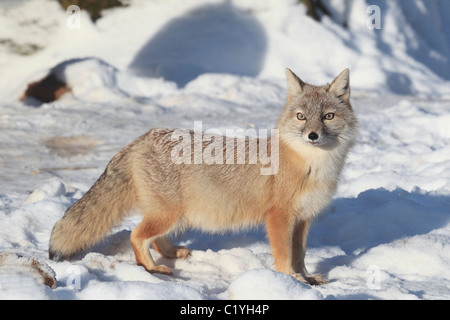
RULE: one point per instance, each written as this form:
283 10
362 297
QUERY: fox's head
318 116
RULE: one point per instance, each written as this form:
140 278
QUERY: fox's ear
294 84
341 86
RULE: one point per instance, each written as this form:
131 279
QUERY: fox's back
210 196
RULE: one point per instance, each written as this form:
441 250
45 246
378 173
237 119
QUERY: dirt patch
71 146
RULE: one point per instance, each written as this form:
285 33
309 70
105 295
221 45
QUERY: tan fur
214 197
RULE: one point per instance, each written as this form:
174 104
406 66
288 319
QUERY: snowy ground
386 235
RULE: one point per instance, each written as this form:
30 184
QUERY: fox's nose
313 136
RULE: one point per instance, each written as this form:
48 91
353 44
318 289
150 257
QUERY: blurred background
398 46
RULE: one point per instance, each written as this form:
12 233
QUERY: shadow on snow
209 39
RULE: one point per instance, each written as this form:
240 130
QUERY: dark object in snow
46 90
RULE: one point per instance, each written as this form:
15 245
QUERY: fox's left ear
294 84
341 86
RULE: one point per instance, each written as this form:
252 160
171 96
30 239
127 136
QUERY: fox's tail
104 206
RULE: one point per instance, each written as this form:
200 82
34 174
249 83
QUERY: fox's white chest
322 177
312 202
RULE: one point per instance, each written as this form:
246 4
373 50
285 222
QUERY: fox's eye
301 116
329 116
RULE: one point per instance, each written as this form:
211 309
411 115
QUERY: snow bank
263 284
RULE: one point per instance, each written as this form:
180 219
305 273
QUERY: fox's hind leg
168 250
152 227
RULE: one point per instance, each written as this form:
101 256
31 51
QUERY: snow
165 64
264 284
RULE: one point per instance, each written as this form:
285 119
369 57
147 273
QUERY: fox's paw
313 280
182 252
162 269
316 280
167 250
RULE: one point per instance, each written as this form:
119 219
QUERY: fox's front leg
299 238
279 226
288 241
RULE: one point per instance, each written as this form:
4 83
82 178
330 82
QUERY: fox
316 130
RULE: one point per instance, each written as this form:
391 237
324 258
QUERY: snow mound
53 188
139 290
93 79
265 284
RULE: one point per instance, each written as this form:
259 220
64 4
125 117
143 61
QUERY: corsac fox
315 132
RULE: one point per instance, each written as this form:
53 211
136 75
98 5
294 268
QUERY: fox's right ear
341 86
294 84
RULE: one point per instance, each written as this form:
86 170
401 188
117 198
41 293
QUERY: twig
37 171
